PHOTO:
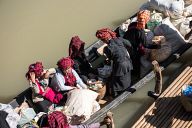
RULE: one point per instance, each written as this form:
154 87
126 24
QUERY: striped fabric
57 120
105 34
65 63
142 18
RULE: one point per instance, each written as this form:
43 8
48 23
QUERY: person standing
122 66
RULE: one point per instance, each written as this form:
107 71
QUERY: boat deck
167 110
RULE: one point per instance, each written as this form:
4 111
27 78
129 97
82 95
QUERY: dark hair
43 121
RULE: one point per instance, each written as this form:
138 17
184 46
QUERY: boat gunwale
117 101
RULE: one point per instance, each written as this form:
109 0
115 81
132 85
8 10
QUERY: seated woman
66 77
58 120
43 96
81 64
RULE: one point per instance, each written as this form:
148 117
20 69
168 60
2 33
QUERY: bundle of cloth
9 118
174 8
81 102
171 34
179 12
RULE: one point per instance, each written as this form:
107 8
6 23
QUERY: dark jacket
117 52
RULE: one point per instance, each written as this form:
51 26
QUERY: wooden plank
164 93
169 102
188 119
167 106
167 110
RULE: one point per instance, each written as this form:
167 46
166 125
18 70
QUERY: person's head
132 25
143 17
54 119
105 34
37 68
76 47
65 64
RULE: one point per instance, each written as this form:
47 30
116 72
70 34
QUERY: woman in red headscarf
81 64
116 51
57 119
66 77
43 96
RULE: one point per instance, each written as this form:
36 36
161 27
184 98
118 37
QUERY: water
40 30
34 30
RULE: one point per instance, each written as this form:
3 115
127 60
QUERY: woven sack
161 54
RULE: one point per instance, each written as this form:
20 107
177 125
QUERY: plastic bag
187 91
26 115
186 97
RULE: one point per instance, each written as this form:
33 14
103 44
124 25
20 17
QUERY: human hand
47 74
32 77
74 88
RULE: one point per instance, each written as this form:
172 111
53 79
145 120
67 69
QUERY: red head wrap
105 34
142 18
76 47
65 63
57 120
37 68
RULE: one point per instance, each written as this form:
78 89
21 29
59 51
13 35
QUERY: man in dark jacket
122 66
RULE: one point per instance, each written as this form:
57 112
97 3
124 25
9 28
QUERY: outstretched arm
80 83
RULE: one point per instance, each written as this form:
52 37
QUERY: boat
95 59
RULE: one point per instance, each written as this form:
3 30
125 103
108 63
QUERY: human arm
94 125
126 43
108 121
80 83
49 72
58 83
107 52
33 83
144 42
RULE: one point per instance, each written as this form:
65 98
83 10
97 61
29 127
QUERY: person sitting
42 95
58 120
66 78
122 66
81 64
